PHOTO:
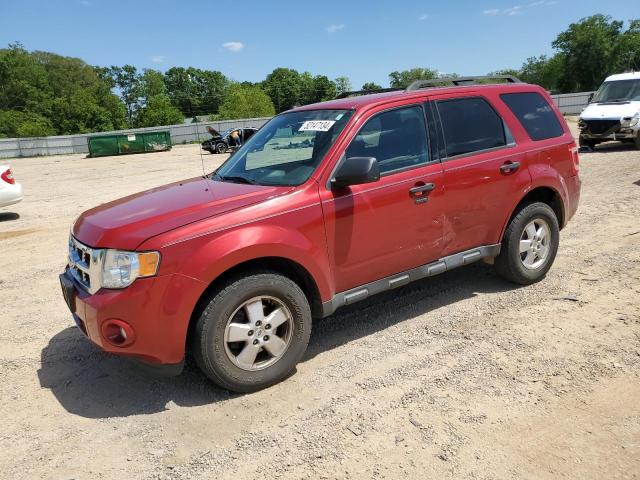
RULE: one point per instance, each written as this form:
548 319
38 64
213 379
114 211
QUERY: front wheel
252 332
585 142
636 141
529 245
221 147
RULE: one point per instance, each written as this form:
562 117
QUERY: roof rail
458 81
355 93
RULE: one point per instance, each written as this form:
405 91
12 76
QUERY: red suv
325 205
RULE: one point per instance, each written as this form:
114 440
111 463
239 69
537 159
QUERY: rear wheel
529 245
253 332
221 147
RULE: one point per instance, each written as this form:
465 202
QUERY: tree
371 86
20 124
626 54
343 84
283 86
404 78
127 81
587 47
195 91
158 111
543 71
243 101
152 84
315 89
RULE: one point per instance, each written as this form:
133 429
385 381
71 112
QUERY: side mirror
590 97
355 171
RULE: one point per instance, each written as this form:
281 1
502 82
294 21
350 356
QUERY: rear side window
397 139
470 125
535 114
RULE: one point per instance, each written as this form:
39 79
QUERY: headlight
631 121
120 268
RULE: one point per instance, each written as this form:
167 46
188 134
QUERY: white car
10 190
613 113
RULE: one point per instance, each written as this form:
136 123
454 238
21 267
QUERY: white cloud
492 12
158 59
335 28
511 11
424 16
84 3
233 46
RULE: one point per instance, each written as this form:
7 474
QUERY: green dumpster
120 144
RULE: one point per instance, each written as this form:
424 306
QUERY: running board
394 281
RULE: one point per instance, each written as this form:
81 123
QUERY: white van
613 112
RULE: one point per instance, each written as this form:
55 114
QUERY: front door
378 229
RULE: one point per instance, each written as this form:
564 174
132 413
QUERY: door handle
420 192
510 167
427 187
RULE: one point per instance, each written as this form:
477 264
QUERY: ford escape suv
326 205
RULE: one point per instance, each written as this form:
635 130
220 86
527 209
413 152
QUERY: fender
542 176
206 257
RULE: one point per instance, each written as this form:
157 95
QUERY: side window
470 125
397 139
535 114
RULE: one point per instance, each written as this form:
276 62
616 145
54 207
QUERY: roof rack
355 93
458 81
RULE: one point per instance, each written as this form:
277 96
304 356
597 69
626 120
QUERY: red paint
343 238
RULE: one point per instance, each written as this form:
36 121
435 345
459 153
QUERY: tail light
575 159
7 176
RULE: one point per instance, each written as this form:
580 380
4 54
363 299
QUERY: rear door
389 226
484 169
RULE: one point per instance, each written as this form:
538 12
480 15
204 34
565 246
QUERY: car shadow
613 147
8 216
93 384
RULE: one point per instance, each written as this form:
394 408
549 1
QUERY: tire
529 267
636 141
222 359
584 142
221 147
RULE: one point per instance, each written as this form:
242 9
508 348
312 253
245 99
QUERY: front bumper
157 309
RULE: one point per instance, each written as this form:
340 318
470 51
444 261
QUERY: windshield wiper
235 179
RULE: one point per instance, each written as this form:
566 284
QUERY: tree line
42 93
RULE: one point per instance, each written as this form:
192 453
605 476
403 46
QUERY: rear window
470 125
535 114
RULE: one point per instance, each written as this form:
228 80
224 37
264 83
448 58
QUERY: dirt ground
459 376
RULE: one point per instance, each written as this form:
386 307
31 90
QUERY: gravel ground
458 376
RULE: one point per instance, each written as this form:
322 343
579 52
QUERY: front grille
601 127
84 265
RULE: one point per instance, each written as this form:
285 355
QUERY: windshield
618 91
286 150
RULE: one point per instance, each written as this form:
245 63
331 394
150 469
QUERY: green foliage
404 78
587 48
371 86
159 110
20 124
47 94
343 84
284 87
243 101
195 91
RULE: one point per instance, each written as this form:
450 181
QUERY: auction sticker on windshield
316 125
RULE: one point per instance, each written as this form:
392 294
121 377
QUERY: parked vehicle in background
222 142
613 113
10 190
326 205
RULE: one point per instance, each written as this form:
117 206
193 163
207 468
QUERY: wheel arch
543 194
284 266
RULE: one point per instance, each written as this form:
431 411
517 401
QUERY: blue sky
364 40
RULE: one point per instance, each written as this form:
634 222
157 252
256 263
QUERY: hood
127 222
598 111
